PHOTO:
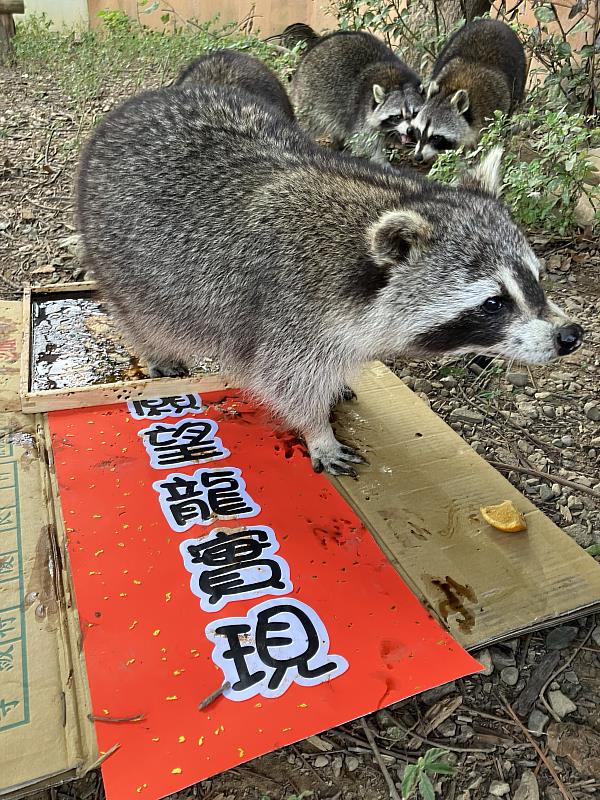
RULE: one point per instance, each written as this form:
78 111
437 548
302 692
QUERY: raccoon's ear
487 175
378 93
432 89
395 234
460 100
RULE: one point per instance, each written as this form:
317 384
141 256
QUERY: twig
47 150
452 748
213 695
102 718
99 761
382 766
554 675
548 764
546 476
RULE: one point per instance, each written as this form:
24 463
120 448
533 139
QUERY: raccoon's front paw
347 394
167 369
336 459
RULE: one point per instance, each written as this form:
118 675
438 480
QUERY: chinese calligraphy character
188 442
6 658
161 407
7 626
280 642
206 495
232 564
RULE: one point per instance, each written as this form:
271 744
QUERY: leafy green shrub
416 776
544 168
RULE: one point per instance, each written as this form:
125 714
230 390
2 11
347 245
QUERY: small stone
433 695
352 763
465 414
336 767
447 729
561 705
528 788
592 410
572 677
509 676
485 659
546 493
449 382
502 657
537 722
321 761
422 385
499 788
408 380
520 379
559 638
568 441
574 503
549 411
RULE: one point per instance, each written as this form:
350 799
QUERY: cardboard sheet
205 549
421 499
41 682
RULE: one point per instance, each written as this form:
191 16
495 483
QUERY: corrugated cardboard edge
420 498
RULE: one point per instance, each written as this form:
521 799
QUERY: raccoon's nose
568 339
419 157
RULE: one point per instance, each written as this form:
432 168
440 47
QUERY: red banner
208 555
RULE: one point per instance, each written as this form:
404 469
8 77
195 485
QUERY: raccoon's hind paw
167 369
337 460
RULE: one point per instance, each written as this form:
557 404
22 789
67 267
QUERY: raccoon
238 70
351 87
298 33
216 227
482 69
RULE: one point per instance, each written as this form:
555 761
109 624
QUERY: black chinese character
160 407
179 445
208 494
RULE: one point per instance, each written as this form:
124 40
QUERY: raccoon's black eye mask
441 143
392 122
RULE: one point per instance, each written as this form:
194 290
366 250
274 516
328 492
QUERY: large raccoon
351 87
482 69
216 227
239 71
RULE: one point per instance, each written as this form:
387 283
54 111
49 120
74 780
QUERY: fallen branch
546 476
382 766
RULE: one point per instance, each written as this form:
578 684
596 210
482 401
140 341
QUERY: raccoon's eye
493 305
392 122
440 143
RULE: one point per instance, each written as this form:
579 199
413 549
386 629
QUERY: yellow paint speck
257 705
142 787
219 730
98 552
131 660
241 752
156 632
303 705
181 739
156 739
96 516
137 583
105 711
201 741
125 526
176 770
94 573
177 672
171 697
167 596
125 571
123 594
285 730
120 544
133 624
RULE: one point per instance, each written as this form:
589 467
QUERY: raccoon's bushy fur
351 87
481 69
216 227
238 71
299 32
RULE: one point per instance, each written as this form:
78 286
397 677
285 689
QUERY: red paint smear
145 647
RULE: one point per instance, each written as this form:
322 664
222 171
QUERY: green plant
416 776
545 166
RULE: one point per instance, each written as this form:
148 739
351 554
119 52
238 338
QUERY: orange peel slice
504 517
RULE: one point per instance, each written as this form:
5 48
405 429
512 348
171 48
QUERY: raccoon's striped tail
295 33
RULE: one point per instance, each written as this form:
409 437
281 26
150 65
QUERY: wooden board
33 402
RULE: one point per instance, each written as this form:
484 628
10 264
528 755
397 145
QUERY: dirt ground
541 427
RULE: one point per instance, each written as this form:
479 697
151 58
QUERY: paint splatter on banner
205 551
